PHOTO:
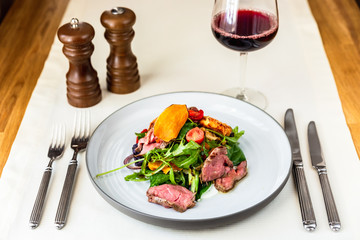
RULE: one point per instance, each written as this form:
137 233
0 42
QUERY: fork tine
61 137
82 124
88 125
55 136
76 127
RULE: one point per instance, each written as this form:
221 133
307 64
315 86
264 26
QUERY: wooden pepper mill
122 69
83 89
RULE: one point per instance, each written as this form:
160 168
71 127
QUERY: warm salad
182 147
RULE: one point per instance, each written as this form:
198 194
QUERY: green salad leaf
202 188
183 149
187 127
187 161
159 179
235 154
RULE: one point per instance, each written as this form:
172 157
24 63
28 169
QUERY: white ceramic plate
264 143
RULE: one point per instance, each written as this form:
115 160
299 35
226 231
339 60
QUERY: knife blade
307 211
318 163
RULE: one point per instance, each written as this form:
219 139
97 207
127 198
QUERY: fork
56 150
78 143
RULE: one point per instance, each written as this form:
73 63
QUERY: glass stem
242 79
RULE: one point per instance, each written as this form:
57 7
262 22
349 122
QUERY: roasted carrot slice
166 169
171 120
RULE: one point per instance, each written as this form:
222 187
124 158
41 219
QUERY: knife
320 166
307 211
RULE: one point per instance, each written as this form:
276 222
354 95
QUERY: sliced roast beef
215 164
172 196
149 142
227 182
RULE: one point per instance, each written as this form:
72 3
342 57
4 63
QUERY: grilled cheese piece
216 125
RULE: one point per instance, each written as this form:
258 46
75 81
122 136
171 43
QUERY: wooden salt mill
122 69
83 89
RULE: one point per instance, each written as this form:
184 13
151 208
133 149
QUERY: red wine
247 31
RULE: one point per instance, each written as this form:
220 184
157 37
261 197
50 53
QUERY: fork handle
40 199
64 203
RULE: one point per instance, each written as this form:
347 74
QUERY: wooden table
28 30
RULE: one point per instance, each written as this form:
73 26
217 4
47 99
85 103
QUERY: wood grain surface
27 33
339 25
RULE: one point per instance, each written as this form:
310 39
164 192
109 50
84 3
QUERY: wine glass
245 26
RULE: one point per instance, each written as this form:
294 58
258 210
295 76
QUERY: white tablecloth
177 52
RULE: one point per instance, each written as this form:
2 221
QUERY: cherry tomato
196 135
195 114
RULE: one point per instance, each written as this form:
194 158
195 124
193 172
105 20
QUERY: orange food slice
155 165
171 120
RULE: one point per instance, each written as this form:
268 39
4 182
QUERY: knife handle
333 216
307 211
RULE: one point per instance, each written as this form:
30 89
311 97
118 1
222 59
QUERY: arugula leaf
162 178
187 126
202 188
159 179
186 162
235 154
213 144
104 173
136 176
140 135
184 149
236 136
180 179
